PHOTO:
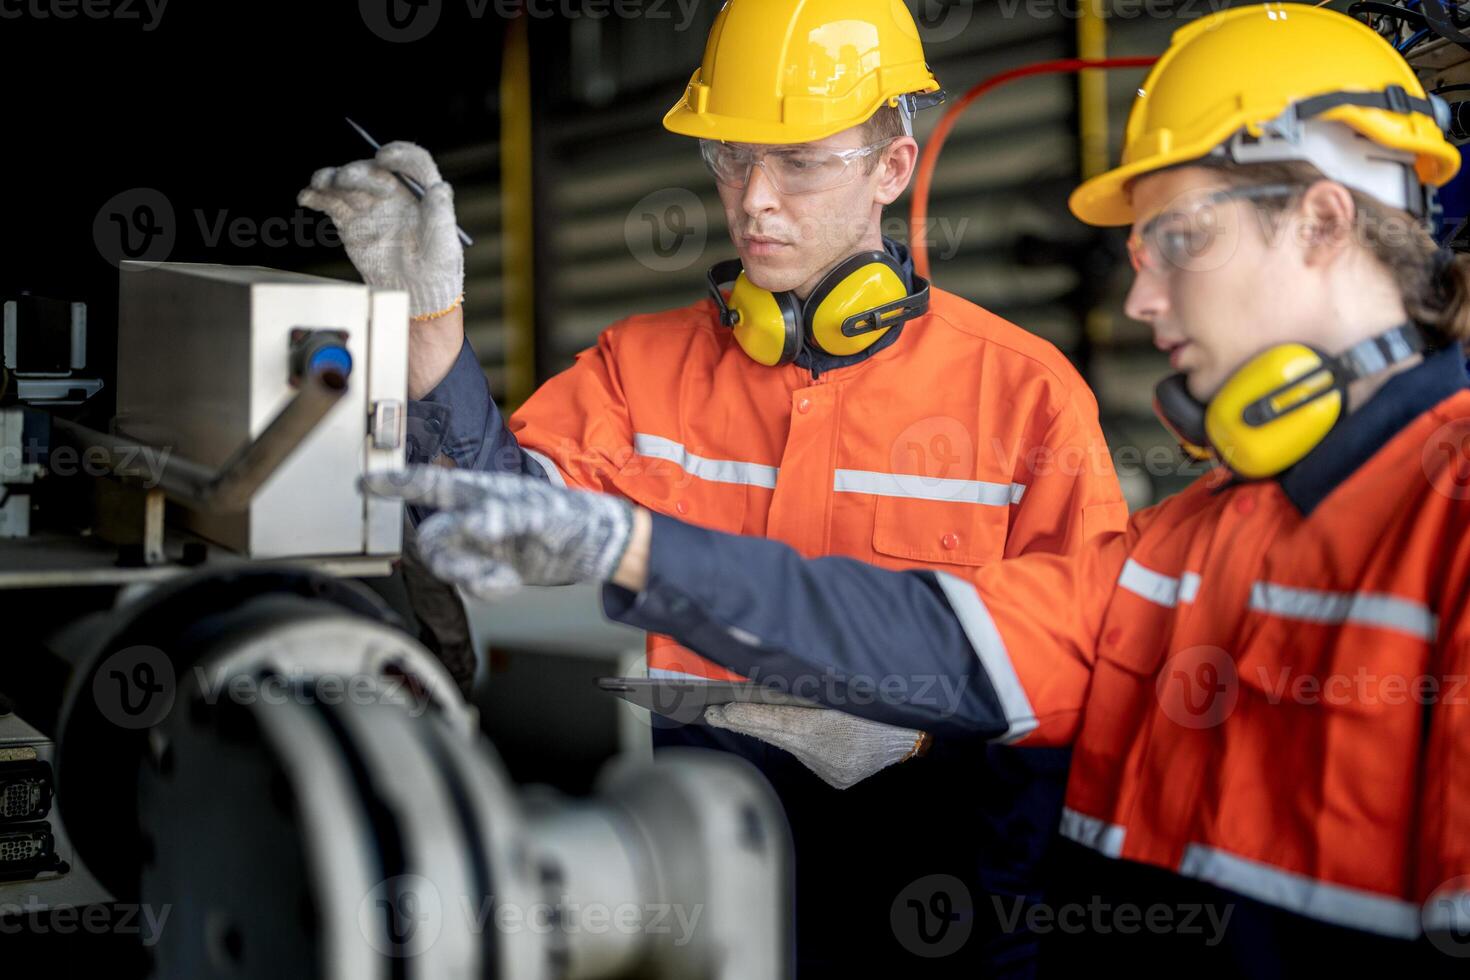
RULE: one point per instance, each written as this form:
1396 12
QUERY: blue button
329 359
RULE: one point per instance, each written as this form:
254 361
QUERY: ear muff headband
852 306
1279 405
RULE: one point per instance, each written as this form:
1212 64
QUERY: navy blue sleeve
461 420
878 644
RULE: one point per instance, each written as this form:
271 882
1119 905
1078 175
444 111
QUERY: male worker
831 402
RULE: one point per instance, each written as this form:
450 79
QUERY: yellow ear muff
853 305
1274 410
865 282
767 325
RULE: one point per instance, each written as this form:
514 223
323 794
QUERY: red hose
919 206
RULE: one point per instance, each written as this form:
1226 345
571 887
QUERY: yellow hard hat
1264 72
788 71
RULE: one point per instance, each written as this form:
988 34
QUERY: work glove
393 239
841 748
495 532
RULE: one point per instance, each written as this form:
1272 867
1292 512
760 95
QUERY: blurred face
1216 280
788 240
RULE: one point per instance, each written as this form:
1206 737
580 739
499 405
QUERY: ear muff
1183 415
1278 406
859 301
851 308
767 325
1275 409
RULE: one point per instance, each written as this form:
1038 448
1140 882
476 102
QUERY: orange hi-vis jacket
1271 701
965 441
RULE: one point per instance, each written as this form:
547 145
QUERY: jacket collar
1358 437
819 361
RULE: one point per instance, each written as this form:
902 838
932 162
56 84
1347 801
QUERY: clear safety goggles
798 169
1183 238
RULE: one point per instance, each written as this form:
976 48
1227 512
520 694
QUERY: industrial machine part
209 354
230 488
45 351
23 438
36 856
397 848
217 630
263 754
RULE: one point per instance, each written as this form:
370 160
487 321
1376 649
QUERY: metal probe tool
406 181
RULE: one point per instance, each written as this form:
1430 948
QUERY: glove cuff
420 317
436 297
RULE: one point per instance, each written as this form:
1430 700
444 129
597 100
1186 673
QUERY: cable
1413 18
919 206
1414 39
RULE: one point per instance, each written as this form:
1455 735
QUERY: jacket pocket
939 532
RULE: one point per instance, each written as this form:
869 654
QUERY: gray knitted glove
393 239
498 531
841 748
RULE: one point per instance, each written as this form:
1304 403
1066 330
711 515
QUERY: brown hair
886 123
1435 286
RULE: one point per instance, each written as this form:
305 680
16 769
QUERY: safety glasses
1182 238
798 169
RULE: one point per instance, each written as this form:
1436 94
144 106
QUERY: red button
804 406
1114 635
950 541
682 507
1244 504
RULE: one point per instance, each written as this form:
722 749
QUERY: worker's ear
1328 213
896 163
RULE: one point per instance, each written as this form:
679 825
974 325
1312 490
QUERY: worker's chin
1203 383
772 273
